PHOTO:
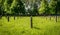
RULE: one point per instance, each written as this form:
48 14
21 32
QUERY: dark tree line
30 7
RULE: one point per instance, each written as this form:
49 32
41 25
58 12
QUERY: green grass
21 26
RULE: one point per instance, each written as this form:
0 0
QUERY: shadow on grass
36 28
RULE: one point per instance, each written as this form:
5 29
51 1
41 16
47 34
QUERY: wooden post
0 16
50 17
31 22
14 17
8 18
56 18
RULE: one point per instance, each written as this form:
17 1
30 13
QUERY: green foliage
43 7
18 7
6 6
48 7
1 7
12 6
52 6
58 6
0 10
35 9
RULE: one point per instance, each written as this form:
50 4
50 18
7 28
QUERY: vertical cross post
14 17
31 22
8 18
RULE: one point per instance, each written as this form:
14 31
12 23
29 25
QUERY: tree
43 7
7 4
35 9
58 6
0 10
19 7
1 7
6 7
52 6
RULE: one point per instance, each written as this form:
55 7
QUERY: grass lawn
21 26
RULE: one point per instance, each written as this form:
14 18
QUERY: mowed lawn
22 26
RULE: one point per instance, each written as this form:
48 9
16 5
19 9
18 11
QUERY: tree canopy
33 7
